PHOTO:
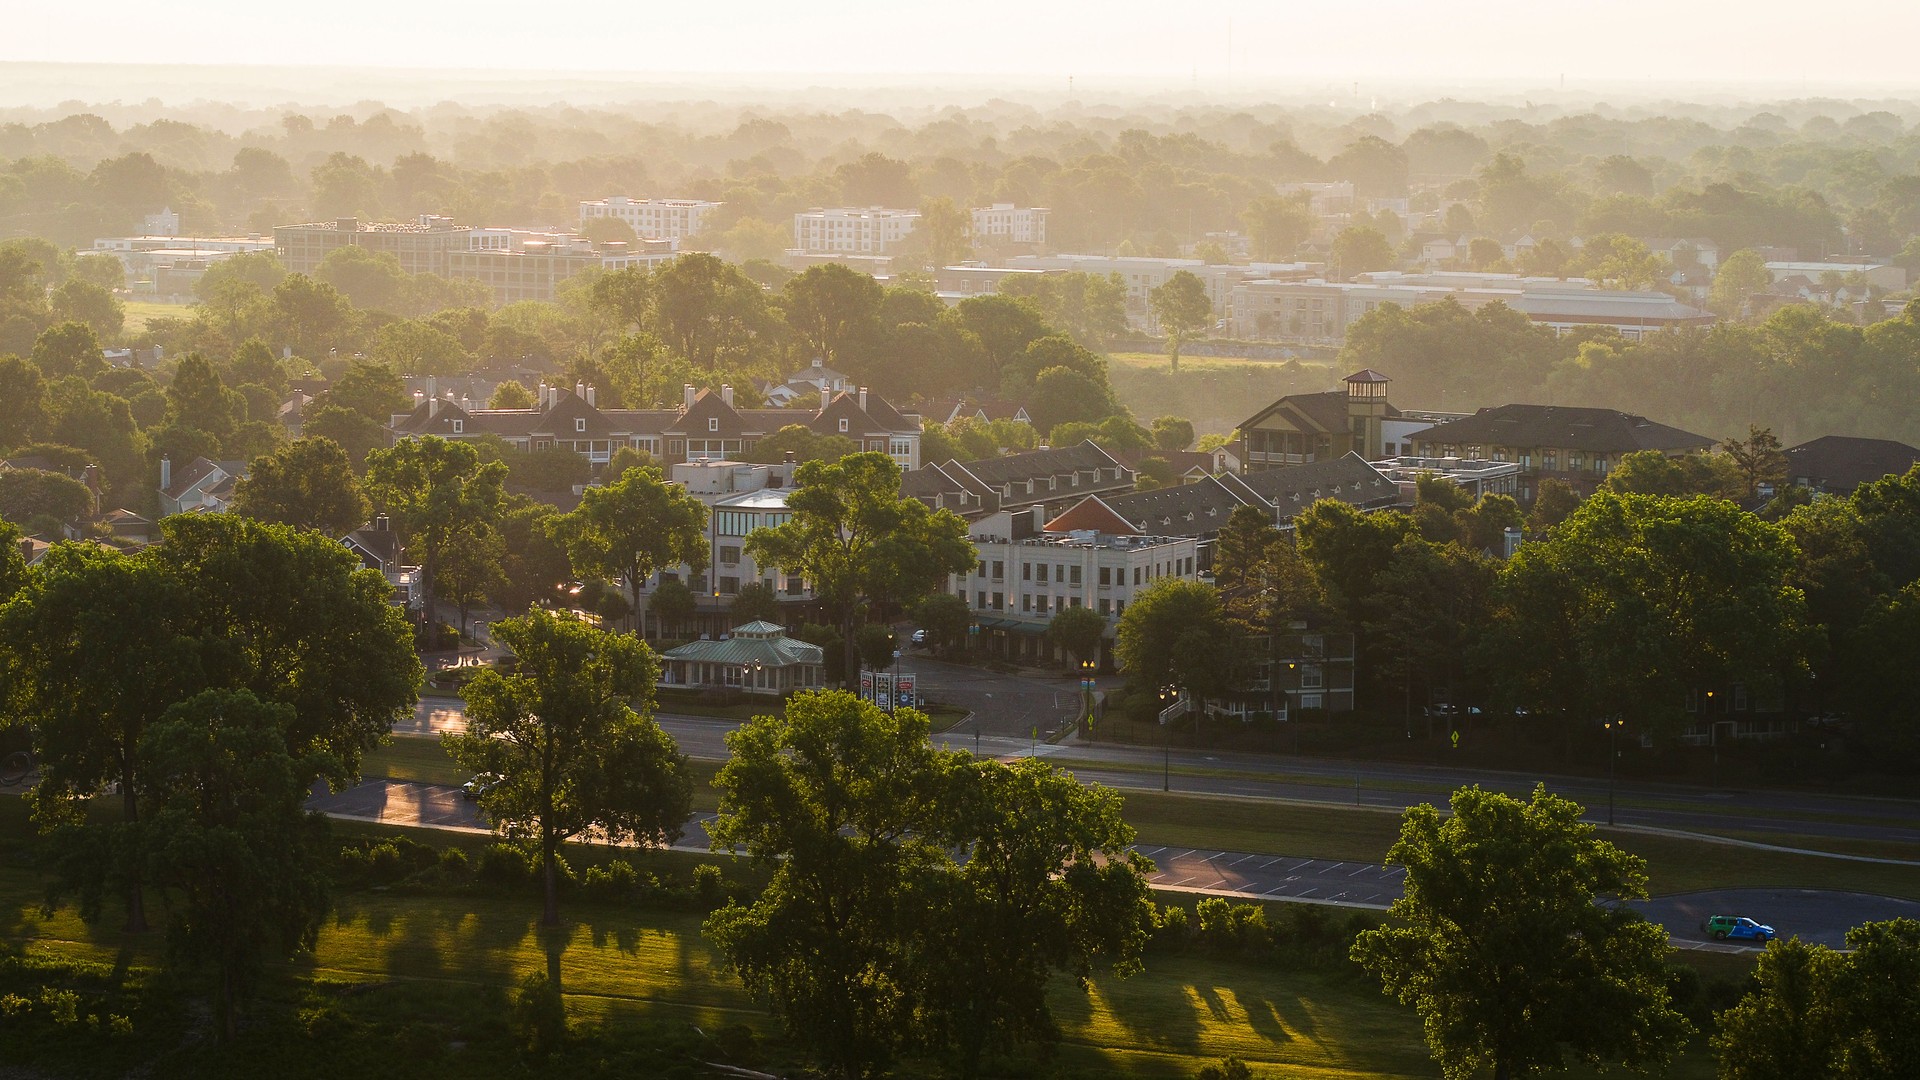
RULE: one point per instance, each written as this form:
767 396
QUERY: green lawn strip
421 759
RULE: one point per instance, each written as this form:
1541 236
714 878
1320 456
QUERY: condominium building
653 219
852 230
1576 445
532 267
423 246
1142 275
1011 224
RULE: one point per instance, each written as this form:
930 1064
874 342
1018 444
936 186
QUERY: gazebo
757 658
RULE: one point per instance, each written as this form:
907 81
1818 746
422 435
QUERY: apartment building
1057 475
706 426
1302 428
530 266
653 219
1576 445
422 245
1088 556
1007 223
851 230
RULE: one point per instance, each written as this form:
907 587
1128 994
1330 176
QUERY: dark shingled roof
1350 479
1840 463
1034 464
1326 411
1606 431
1197 509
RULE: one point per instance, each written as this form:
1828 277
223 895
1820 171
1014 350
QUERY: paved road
1386 786
1820 916
1012 706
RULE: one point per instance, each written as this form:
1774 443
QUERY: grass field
139 311
1214 392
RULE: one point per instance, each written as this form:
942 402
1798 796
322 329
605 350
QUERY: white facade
871 230
1011 224
1141 275
653 219
1037 577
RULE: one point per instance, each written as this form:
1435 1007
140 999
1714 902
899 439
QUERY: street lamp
1086 687
1166 738
1613 734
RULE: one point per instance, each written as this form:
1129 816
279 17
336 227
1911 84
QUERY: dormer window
713 423
579 423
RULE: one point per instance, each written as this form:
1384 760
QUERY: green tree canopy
307 483
1176 633
571 750
1183 309
433 490
1547 965
859 543
633 527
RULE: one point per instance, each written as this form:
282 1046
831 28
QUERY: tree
1172 432
312 316
1176 633
1079 631
1738 278
708 311
367 278
803 443
90 304
1064 396
472 570
877 644
1518 977
755 602
1637 600
23 401
1875 993
859 543
945 617
1360 249
635 526
512 395
1277 226
1552 504
1784 1026
372 390
671 604
1044 881
946 230
919 899
1651 472
307 483
1758 458
1182 308
571 751
68 348
37 496
1003 325
229 835
533 564
1090 308
354 433
419 348
433 490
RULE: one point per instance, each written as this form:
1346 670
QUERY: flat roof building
653 219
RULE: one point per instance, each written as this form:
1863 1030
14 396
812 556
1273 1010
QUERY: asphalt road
1815 915
1329 782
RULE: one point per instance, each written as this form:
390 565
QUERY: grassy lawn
139 311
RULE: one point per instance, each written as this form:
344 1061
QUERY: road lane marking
1242 859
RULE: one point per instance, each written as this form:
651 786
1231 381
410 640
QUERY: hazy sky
1783 43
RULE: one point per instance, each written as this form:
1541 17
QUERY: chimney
580 390
166 472
543 393
590 394
726 394
863 399
433 407
380 524
688 391
433 387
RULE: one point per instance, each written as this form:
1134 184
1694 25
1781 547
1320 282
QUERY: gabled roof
1366 375
1197 509
1350 479
1840 463
431 418
1325 412
1566 427
707 405
1091 515
560 417
382 545
197 472
1034 464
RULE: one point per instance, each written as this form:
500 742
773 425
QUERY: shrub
614 881
1229 1068
506 864
709 886
1171 927
454 862
1233 928
539 1017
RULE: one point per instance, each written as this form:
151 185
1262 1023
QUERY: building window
1106 606
980 600
843 427
999 569
1045 602
1106 575
1073 575
999 601
730 585
459 425
579 423
1310 701
983 569
1026 601
1026 571
729 556
713 423
1311 677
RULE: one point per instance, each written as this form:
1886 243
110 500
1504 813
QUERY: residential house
377 547
1302 428
1576 445
1836 464
131 528
200 486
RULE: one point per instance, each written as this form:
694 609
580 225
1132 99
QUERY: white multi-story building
1010 224
854 230
653 219
1090 556
1142 274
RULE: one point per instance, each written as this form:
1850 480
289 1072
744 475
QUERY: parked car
1739 928
919 637
479 785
